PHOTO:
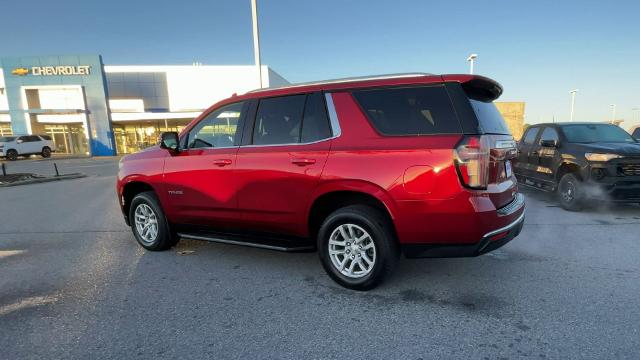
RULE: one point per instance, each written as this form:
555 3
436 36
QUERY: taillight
472 161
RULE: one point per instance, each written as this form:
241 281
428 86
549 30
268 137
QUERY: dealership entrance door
59 111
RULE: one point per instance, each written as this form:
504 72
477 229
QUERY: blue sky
538 50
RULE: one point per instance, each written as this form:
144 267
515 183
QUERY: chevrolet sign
59 70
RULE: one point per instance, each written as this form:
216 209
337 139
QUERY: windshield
596 133
7 138
489 117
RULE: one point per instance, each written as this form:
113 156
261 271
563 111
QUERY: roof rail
343 80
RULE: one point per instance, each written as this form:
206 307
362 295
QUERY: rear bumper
489 242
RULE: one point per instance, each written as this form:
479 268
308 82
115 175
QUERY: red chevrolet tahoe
358 169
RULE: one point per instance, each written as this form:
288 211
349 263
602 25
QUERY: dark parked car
636 133
581 161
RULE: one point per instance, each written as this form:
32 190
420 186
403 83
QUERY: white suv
25 145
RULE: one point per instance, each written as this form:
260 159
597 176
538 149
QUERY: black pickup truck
581 161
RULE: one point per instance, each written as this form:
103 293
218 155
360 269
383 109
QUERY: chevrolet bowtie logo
20 71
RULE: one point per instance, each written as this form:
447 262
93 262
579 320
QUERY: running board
251 241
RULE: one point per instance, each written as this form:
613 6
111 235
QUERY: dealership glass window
5 129
132 136
218 129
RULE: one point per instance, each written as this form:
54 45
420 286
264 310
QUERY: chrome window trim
211 148
333 116
334 123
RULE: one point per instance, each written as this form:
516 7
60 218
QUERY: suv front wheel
357 247
571 192
12 155
149 225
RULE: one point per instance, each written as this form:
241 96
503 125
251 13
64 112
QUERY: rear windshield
7 138
409 111
490 119
596 133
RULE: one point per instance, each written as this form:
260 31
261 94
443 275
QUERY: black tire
382 234
165 238
12 155
46 152
571 192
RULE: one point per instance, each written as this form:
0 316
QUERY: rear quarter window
422 110
490 119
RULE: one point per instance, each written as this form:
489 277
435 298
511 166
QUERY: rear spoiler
477 87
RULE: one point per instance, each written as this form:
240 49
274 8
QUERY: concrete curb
45 179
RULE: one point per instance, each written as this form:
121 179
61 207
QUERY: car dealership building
89 108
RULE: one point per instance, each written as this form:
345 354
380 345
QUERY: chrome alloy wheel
352 251
146 223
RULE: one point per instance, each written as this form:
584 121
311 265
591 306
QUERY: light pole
256 39
471 60
573 102
613 112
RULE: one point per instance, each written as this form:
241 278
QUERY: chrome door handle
303 162
222 162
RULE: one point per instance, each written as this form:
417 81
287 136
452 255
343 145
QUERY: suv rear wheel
149 225
357 247
46 152
571 192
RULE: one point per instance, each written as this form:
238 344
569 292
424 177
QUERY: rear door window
530 136
409 111
315 123
490 119
279 120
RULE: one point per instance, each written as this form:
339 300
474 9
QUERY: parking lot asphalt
74 284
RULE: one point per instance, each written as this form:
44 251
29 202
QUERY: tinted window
7 138
409 111
315 124
490 119
218 129
549 134
32 138
530 137
45 137
587 133
278 120
636 133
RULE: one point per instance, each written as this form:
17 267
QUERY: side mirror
19 141
169 140
549 143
